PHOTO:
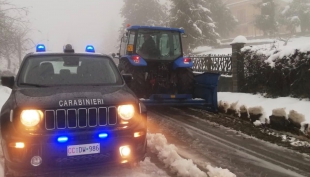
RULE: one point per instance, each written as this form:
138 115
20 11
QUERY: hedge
287 75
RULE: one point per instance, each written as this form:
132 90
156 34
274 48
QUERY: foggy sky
78 22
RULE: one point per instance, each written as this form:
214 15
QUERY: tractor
162 75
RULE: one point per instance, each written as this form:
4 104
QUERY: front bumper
54 154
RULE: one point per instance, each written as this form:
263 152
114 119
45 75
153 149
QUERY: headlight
126 112
31 118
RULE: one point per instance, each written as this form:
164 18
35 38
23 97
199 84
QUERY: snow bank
167 153
269 104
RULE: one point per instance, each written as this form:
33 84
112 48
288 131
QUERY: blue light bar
90 48
62 139
40 48
103 135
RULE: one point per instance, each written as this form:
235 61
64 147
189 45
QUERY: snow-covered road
209 143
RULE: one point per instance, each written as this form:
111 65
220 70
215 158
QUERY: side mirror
8 81
113 55
128 78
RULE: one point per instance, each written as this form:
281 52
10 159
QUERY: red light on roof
135 58
187 60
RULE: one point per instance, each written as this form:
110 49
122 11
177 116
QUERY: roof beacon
40 48
90 48
68 48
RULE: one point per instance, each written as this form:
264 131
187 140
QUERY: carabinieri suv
70 110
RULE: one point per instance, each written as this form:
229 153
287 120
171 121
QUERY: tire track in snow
268 163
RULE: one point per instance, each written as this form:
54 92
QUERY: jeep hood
78 96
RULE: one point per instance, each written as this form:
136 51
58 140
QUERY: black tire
138 84
186 81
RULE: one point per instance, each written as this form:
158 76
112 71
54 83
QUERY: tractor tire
186 81
138 84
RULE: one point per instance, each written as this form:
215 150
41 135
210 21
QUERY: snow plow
162 76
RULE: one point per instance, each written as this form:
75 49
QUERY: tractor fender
179 63
141 62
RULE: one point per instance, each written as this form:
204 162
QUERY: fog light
125 151
36 161
19 145
138 134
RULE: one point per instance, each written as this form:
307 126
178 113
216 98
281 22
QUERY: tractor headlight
126 112
31 118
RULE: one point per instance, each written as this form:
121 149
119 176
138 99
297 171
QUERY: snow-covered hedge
277 72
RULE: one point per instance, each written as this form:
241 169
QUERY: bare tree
13 32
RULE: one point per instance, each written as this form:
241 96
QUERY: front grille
80 118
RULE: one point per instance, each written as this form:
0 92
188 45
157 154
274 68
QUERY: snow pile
257 123
296 118
239 39
219 172
280 112
269 104
167 153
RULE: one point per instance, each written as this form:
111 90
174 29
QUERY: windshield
163 45
68 70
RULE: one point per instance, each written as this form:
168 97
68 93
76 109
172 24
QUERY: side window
140 41
132 37
176 45
123 45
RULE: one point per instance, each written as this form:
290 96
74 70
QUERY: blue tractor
162 75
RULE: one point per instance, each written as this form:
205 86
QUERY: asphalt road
208 143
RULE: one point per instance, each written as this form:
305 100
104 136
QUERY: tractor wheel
185 81
138 84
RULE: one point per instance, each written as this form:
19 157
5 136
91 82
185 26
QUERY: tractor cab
152 43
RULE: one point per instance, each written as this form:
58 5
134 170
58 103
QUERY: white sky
78 22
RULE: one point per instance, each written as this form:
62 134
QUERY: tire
138 84
186 81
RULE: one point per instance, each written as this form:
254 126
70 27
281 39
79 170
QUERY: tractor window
162 45
132 37
123 46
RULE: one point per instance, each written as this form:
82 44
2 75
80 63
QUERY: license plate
83 149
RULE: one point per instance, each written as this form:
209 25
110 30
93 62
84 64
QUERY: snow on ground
268 104
294 43
167 153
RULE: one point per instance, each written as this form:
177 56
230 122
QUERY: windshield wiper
35 85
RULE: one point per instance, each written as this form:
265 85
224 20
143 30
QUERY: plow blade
204 94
